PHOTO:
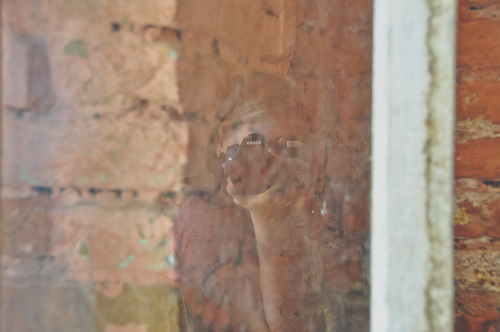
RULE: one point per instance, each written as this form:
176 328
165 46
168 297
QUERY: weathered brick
56 240
146 11
135 307
482 9
482 243
107 75
478 159
477 270
478 99
132 242
476 311
478 44
477 211
477 168
27 227
470 74
109 156
47 307
470 130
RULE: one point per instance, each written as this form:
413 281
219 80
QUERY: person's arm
218 266
291 263
290 268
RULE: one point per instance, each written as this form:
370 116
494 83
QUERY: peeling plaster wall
91 167
477 168
107 109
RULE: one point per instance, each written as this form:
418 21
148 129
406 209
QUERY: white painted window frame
412 165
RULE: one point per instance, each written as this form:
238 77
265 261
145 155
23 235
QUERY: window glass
185 165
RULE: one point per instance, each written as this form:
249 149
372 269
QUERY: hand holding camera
258 170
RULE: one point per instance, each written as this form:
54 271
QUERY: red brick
477 270
478 159
478 44
476 311
482 9
468 74
478 2
478 99
483 243
477 214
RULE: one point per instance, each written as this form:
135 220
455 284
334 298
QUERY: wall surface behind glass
121 207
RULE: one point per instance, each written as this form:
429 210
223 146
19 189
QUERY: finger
295 144
282 140
253 202
283 152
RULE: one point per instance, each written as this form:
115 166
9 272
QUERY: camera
250 166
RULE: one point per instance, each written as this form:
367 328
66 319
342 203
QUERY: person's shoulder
200 206
204 201
197 199
192 208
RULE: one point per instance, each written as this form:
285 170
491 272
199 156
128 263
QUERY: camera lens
250 167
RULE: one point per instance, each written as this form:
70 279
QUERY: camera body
250 166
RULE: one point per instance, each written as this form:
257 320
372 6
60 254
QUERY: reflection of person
270 189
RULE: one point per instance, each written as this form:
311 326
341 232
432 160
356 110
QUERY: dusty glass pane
185 165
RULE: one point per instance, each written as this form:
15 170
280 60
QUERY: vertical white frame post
412 165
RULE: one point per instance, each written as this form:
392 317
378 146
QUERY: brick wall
89 188
326 47
477 168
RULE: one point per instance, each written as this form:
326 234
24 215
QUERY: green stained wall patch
76 47
24 177
174 55
84 250
81 181
157 267
172 262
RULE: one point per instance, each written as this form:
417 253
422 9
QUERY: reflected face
253 170
271 131
250 169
